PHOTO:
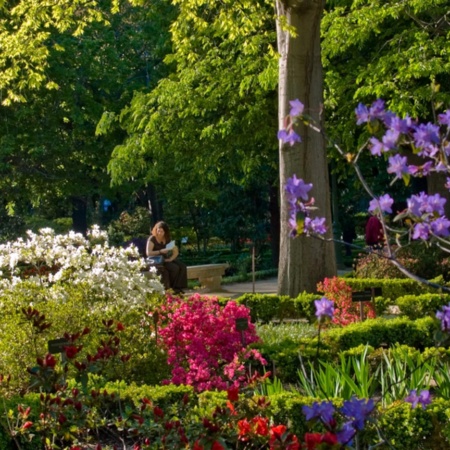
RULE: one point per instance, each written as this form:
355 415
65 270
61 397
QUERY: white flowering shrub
75 282
51 260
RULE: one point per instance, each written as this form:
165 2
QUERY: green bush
416 306
267 307
426 262
382 332
21 342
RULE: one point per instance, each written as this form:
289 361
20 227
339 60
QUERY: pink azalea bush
204 348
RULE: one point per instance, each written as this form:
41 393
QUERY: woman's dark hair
165 227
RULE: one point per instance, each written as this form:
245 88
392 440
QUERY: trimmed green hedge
267 307
416 306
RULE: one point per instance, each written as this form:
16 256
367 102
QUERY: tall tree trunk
304 261
274 209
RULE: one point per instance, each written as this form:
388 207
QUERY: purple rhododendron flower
441 227
421 231
316 225
297 188
362 114
390 139
297 108
422 399
444 119
436 204
376 147
289 137
359 410
377 110
398 165
425 135
323 411
384 204
324 308
401 126
444 316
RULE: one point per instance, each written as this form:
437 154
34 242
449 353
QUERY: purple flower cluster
288 135
426 140
300 206
356 410
423 399
444 317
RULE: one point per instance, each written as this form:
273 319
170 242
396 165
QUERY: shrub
427 262
205 348
346 311
416 306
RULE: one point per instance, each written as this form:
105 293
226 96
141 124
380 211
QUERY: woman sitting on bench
173 271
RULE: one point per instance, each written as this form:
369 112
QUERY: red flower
217 446
329 438
49 361
312 440
197 446
261 426
277 431
120 326
233 394
27 425
158 412
71 351
244 429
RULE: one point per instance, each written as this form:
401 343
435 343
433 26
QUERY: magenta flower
324 308
422 399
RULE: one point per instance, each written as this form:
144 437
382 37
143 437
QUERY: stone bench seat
209 275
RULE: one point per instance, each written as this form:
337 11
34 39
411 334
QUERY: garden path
235 290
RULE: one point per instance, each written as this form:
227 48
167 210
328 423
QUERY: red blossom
27 425
233 394
217 446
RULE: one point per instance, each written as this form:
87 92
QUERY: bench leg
211 284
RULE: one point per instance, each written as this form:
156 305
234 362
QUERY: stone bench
209 275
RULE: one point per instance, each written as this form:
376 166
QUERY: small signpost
57 345
242 325
367 295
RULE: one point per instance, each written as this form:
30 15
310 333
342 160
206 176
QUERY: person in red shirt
374 233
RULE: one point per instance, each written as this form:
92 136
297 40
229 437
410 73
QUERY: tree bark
304 261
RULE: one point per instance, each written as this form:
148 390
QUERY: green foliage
267 307
416 306
349 376
424 261
130 225
382 332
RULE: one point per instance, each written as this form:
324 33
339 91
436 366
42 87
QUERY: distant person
173 271
348 234
374 233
